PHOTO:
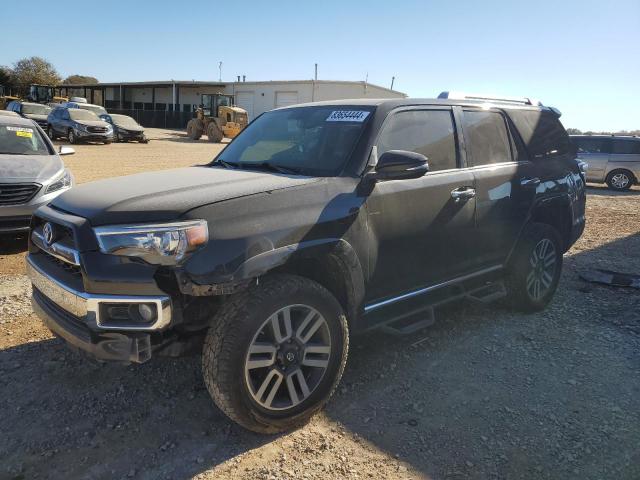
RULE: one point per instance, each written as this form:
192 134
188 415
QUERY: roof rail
489 98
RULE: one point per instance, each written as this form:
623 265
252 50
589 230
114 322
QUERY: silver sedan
31 172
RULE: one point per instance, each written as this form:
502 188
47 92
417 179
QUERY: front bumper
75 316
16 218
93 136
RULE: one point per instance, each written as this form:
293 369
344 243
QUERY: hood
92 123
37 118
29 168
130 128
166 195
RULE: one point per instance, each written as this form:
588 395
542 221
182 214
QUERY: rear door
505 184
596 153
625 155
421 234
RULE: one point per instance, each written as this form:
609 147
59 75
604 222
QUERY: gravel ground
484 393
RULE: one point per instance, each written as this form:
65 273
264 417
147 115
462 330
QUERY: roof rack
489 98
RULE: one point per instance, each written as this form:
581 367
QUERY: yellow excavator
218 117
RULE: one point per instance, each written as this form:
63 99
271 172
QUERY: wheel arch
556 212
333 264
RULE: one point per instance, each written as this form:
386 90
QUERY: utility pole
219 71
316 74
393 79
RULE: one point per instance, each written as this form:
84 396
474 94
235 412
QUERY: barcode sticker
19 129
348 116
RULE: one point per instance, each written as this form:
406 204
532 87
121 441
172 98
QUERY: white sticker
348 116
19 129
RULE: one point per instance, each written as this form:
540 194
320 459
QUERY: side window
487 136
592 145
626 146
429 132
541 132
65 115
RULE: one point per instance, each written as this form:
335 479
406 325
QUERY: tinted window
541 132
626 146
429 132
592 145
311 140
487 137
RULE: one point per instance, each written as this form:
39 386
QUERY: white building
255 97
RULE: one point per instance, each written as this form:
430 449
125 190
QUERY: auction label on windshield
21 131
348 116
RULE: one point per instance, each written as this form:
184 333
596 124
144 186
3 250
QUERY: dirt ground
485 393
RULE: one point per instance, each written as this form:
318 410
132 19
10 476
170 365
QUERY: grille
17 193
97 129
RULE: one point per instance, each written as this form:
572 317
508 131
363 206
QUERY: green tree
573 131
79 79
34 70
6 76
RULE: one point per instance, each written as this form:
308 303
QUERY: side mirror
64 150
400 165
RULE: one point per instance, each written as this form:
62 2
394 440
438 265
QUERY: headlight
162 244
109 128
64 182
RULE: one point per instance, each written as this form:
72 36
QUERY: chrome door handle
463 193
530 182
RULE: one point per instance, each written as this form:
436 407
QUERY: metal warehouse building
171 103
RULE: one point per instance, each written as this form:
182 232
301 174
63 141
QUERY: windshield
35 109
308 140
124 120
97 109
79 114
19 140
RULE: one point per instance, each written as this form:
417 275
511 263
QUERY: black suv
317 222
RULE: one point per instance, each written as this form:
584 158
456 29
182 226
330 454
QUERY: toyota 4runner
317 222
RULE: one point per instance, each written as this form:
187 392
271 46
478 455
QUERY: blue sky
580 56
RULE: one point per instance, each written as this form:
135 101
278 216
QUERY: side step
411 321
488 293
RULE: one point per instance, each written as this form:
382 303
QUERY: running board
488 293
411 322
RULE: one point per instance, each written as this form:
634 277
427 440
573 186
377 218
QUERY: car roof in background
9 113
18 121
623 137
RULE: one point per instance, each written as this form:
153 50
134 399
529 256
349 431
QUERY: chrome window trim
81 304
422 291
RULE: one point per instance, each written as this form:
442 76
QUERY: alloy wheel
288 357
543 268
620 180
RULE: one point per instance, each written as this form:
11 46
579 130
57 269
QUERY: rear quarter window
627 147
542 133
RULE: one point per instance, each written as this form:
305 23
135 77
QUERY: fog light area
127 313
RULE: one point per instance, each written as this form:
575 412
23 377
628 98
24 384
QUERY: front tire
50 133
194 132
275 353
214 134
620 180
71 137
534 270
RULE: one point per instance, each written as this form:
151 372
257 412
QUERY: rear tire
620 180
259 369
214 134
534 270
194 132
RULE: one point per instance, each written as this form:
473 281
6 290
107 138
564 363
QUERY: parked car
78 125
611 159
125 128
319 221
32 111
31 172
8 113
97 109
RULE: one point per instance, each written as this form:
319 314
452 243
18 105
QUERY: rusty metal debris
614 279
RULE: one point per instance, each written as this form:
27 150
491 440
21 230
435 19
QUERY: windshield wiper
261 165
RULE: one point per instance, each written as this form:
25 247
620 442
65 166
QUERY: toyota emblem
47 232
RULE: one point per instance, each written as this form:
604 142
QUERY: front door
595 152
421 233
